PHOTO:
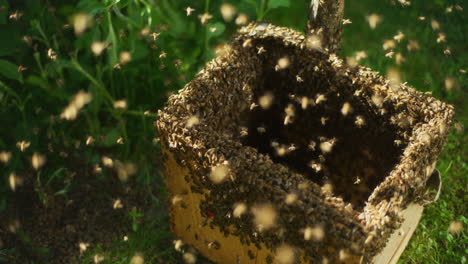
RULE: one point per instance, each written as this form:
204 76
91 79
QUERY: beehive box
278 152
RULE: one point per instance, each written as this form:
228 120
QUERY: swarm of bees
297 150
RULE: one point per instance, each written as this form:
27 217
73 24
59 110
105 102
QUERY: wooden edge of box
186 223
399 238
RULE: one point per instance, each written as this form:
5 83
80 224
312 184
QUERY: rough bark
325 21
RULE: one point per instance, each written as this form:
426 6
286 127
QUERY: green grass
32 100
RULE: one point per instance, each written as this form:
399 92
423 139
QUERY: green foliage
278 3
9 70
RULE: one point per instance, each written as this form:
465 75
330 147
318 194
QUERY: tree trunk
325 21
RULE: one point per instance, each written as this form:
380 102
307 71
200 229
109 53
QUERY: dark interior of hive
361 156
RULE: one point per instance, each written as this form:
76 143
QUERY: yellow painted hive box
277 152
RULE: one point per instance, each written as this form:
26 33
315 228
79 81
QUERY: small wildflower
120 140
422 18
163 55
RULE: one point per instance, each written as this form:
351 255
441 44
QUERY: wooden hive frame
390 140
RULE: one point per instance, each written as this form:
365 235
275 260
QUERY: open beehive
278 151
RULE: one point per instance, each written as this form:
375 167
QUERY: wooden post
325 21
